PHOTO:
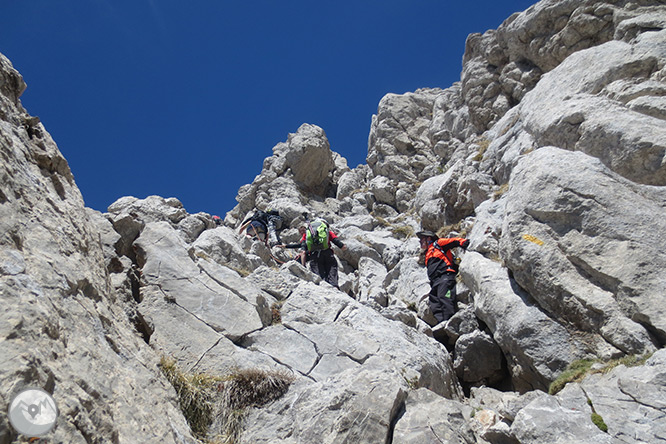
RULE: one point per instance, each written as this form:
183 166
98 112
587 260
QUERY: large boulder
447 198
399 146
478 359
558 240
166 264
301 170
429 418
308 155
222 245
354 406
537 348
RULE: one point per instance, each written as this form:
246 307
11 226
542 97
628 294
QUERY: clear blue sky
186 98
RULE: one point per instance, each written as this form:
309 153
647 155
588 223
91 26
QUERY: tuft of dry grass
205 398
457 227
276 315
195 395
501 191
483 146
403 231
244 389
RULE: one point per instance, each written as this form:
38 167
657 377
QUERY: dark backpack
260 216
273 217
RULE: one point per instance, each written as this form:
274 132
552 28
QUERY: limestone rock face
536 347
399 143
501 66
429 418
620 123
301 167
63 328
559 210
548 155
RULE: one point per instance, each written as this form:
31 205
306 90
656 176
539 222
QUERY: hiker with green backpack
316 239
442 268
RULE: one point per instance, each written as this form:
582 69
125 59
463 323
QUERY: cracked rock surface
548 156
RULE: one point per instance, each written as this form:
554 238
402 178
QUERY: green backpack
316 236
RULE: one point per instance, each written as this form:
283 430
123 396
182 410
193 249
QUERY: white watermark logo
33 412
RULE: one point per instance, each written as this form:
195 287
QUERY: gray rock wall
548 155
63 326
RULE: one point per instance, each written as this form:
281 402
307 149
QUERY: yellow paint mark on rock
533 239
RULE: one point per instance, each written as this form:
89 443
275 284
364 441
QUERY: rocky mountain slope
549 155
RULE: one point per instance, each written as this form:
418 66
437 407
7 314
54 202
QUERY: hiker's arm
452 242
334 238
339 243
297 245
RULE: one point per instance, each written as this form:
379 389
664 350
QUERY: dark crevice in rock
357 360
142 326
222 284
658 336
399 413
203 355
134 275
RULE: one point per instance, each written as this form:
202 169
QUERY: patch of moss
627 361
599 422
578 370
575 372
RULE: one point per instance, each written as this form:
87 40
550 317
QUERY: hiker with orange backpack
442 269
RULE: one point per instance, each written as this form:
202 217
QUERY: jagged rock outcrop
63 327
548 155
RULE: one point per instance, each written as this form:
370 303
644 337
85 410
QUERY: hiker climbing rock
302 256
442 269
316 239
263 225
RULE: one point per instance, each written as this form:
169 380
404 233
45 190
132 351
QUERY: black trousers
323 263
442 297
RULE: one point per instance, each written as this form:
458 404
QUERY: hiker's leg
446 296
314 264
442 297
435 304
331 269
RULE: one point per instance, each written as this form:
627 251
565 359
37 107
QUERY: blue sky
185 99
